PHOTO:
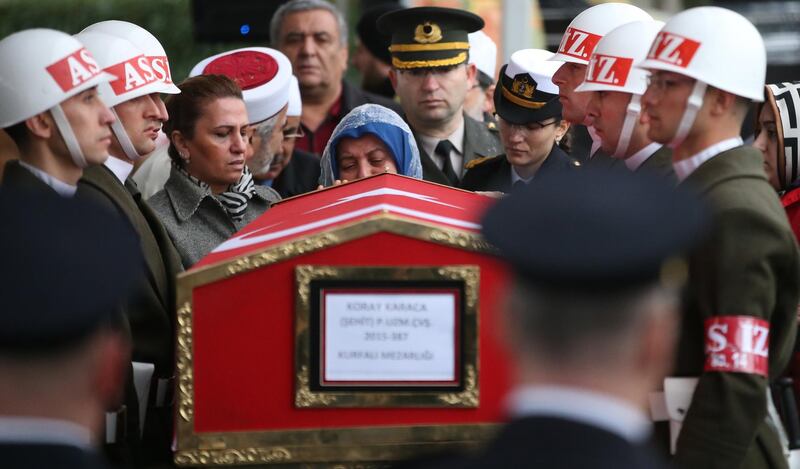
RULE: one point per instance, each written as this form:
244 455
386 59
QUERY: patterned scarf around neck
235 198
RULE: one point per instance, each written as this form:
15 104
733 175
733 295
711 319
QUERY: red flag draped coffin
350 324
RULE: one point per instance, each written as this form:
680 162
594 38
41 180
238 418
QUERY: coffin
351 325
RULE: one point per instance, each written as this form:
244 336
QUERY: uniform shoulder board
472 163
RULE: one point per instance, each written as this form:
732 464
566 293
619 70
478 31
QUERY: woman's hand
337 182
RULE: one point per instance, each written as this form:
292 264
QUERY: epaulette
472 163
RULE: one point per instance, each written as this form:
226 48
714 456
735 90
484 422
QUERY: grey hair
565 327
261 159
294 6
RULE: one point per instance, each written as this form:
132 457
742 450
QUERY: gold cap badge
427 33
523 87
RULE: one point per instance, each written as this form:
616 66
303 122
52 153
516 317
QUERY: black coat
494 174
18 178
39 456
552 443
301 175
353 97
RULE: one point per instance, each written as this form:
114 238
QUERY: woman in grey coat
210 193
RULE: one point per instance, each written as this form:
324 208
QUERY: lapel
479 141
501 179
103 180
169 255
735 163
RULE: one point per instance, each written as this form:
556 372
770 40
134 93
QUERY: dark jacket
41 455
748 266
150 310
301 175
353 97
551 443
660 162
479 142
494 174
18 178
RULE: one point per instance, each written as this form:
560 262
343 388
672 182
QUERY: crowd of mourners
590 151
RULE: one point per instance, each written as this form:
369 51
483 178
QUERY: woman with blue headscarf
370 139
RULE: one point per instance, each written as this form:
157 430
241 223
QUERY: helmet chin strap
631 117
693 104
68 136
123 139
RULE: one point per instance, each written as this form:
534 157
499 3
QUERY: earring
185 157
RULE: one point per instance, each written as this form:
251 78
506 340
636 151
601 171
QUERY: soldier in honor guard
575 50
67 265
431 75
134 97
529 118
739 322
48 87
590 321
616 87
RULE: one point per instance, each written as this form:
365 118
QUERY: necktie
443 149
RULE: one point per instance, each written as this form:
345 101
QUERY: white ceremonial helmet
295 108
41 69
611 68
263 74
133 77
716 47
586 30
147 43
483 53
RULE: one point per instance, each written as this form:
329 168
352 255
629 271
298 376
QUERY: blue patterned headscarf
378 121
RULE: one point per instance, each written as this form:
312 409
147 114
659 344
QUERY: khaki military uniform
151 308
748 266
479 141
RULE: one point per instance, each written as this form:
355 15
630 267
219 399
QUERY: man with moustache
577 45
313 35
431 75
134 97
616 87
51 110
739 322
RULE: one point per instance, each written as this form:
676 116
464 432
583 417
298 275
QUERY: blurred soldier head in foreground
63 347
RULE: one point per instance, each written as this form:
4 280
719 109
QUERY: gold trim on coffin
361 447
306 397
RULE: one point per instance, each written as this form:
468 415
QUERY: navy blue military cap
595 230
66 265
